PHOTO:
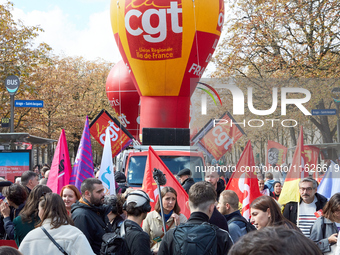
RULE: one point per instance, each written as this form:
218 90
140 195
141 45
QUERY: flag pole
160 179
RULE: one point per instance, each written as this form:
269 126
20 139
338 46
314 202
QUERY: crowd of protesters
75 221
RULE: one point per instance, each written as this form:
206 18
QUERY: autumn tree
285 43
71 88
18 55
89 97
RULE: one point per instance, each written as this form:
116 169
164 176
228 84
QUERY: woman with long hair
153 224
28 216
325 229
277 190
265 211
58 224
70 194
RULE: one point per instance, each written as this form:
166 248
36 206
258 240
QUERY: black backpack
249 227
115 243
194 239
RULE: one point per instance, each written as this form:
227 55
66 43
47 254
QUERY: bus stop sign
12 83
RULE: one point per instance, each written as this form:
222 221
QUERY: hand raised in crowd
176 218
333 238
4 208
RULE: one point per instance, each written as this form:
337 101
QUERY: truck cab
175 158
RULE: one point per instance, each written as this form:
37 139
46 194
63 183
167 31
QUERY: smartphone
5 200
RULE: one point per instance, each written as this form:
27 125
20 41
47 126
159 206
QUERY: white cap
139 197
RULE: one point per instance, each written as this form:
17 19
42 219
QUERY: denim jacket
321 230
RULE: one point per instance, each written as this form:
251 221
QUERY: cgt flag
150 186
61 166
311 154
218 136
120 137
290 190
276 154
83 165
244 182
106 174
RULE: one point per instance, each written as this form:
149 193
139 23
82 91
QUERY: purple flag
83 165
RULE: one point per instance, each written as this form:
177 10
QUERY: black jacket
137 240
28 190
187 184
290 211
220 188
218 220
117 222
92 221
224 241
273 195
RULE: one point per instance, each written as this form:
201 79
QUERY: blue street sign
29 103
324 112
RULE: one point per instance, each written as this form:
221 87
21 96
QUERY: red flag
60 171
120 137
244 182
290 190
276 154
311 154
150 186
221 137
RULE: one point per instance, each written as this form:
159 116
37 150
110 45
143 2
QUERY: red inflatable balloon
123 97
167 45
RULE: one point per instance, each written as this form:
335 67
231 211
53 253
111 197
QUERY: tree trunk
292 136
323 125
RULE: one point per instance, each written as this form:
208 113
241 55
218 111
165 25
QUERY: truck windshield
174 163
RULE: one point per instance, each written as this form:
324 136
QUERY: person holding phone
12 205
325 229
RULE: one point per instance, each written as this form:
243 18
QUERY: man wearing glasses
310 202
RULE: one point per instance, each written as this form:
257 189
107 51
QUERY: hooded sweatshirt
270 185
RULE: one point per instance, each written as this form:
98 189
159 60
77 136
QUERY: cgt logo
114 130
154 23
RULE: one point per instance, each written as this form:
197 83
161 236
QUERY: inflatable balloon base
164 112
